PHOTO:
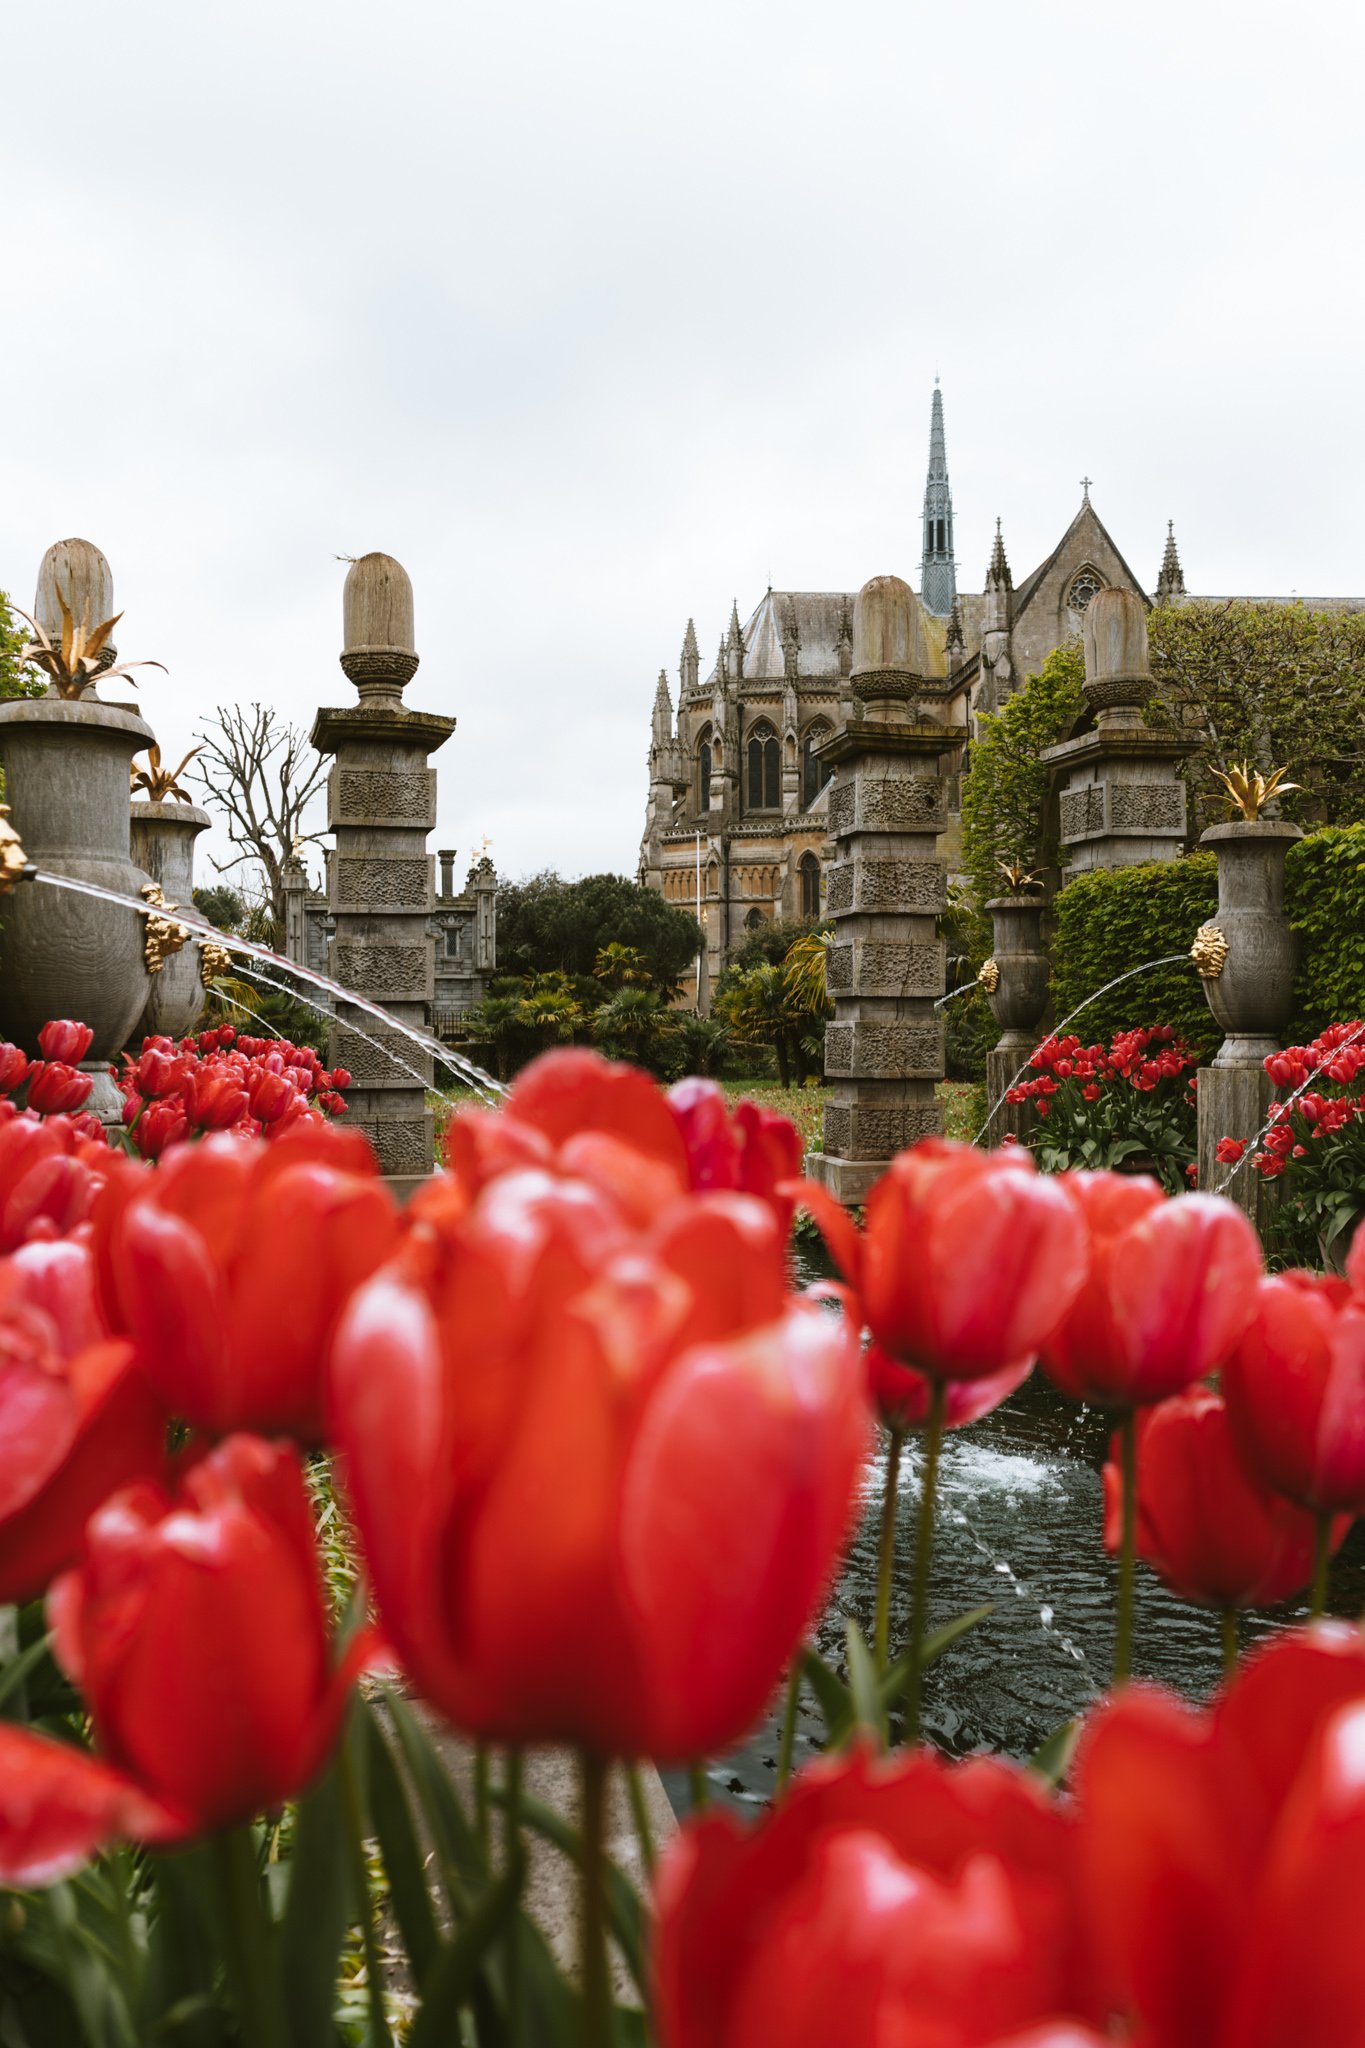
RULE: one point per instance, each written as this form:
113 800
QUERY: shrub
1325 899
1005 805
1113 920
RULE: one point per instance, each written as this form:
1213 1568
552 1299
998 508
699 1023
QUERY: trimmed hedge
1115 918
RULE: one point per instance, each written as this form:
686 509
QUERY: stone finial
446 856
1170 582
376 609
691 659
76 571
1118 676
737 638
889 656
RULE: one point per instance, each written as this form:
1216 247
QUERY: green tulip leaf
319 1907
832 1695
453 1976
868 1706
391 1818
14 1675
458 1856
625 1914
1052 1758
893 1684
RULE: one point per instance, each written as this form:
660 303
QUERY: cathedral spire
938 571
1171 581
999 588
663 711
999 570
691 659
737 638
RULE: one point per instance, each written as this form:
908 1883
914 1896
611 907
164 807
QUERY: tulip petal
58 1806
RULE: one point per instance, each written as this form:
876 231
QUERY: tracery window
1083 588
810 885
704 775
765 773
814 773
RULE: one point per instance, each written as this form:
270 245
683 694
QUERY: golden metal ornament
73 664
13 859
1248 791
164 937
1209 951
214 960
162 784
988 974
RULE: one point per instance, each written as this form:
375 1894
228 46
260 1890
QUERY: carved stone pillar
381 804
1017 993
885 965
162 836
1247 962
1121 798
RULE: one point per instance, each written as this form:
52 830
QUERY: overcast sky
599 315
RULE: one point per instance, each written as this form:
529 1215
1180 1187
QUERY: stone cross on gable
1086 482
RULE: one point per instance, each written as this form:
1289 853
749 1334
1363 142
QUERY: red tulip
53 1088
1213 1533
601 1478
911 1902
158 1072
1171 1289
1295 1389
195 1626
230 1265
48 1179
214 1097
160 1125
13 1068
574 1113
966 1261
902 1396
1224 1852
270 1095
65 1041
756 1151
77 1419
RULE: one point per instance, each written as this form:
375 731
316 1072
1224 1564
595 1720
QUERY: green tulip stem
481 1824
697 1787
886 1550
378 2035
1322 1557
247 1939
788 1739
1230 1641
596 1982
1123 1641
639 1813
924 1546
511 1847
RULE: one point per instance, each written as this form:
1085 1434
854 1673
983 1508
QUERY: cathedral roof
1086 517
821 616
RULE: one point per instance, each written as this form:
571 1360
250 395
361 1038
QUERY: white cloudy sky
598 315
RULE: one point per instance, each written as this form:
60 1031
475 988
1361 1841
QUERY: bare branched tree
261 774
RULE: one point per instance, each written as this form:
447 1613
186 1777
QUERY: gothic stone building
736 820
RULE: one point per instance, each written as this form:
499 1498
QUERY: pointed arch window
810 885
704 773
1084 585
814 773
765 770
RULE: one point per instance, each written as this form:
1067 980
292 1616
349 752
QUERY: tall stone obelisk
381 805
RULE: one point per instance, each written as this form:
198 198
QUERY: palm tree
497 1023
621 966
634 1024
760 1011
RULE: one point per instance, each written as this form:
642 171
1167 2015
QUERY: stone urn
62 954
1018 1002
163 836
1252 994
1019 997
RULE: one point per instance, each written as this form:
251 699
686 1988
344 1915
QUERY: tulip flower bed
601 1458
1315 1146
1125 1105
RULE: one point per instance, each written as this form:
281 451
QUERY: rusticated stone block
879 1049
882 883
838 969
402 1146
879 1130
388 973
377 881
378 1058
889 803
1146 807
888 967
382 796
1081 811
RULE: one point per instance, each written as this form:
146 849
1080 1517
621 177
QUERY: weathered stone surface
378 1058
1233 1102
401 1146
1147 807
902 803
379 881
386 796
1081 811
388 973
878 1130
871 882
873 1048
885 967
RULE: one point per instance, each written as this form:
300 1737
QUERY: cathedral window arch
814 773
809 868
713 877
765 770
1084 584
704 771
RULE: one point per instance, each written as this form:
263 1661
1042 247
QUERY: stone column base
1234 1103
1007 1119
848 1180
